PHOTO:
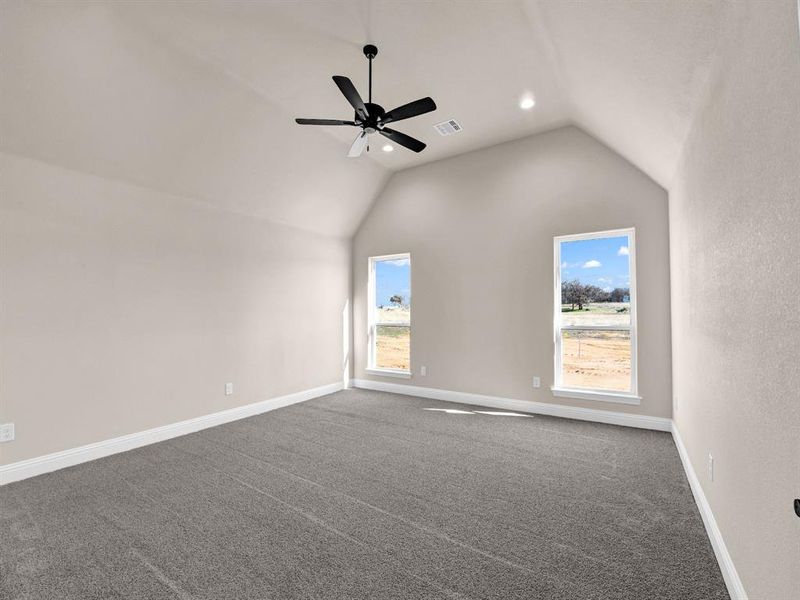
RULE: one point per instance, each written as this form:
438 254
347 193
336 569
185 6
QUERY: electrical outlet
537 382
7 432
228 389
710 467
423 370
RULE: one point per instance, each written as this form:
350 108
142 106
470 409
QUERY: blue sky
392 277
602 262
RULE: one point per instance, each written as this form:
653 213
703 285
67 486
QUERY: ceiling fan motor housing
376 113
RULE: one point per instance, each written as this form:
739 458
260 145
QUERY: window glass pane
595 282
392 314
393 347
393 291
597 360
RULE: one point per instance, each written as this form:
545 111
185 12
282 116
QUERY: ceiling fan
372 118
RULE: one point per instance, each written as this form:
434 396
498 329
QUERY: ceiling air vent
448 127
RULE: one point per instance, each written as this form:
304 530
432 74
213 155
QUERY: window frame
558 388
372 320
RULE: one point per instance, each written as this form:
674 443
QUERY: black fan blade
323 122
353 97
412 109
403 139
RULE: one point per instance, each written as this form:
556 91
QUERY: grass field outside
597 313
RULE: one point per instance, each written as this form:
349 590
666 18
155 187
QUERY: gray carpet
366 495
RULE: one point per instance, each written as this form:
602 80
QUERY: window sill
618 397
389 373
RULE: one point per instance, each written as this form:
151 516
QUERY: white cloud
608 289
623 251
592 264
400 262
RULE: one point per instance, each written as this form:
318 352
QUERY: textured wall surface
480 231
125 309
735 245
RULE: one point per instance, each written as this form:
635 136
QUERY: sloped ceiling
634 73
198 98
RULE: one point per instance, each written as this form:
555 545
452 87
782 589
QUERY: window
595 316
390 315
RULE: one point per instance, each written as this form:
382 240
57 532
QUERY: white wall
735 244
124 308
480 231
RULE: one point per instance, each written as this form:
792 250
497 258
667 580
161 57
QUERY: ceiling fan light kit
371 117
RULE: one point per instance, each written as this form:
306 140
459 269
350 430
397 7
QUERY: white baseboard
67 458
540 408
729 573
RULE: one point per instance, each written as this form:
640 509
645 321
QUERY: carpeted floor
366 495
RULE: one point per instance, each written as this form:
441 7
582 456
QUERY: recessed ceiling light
527 103
388 148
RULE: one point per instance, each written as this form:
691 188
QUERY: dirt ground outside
599 360
393 344
393 348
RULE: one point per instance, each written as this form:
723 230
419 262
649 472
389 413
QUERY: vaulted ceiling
198 98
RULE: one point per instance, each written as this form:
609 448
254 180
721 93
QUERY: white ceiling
198 98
